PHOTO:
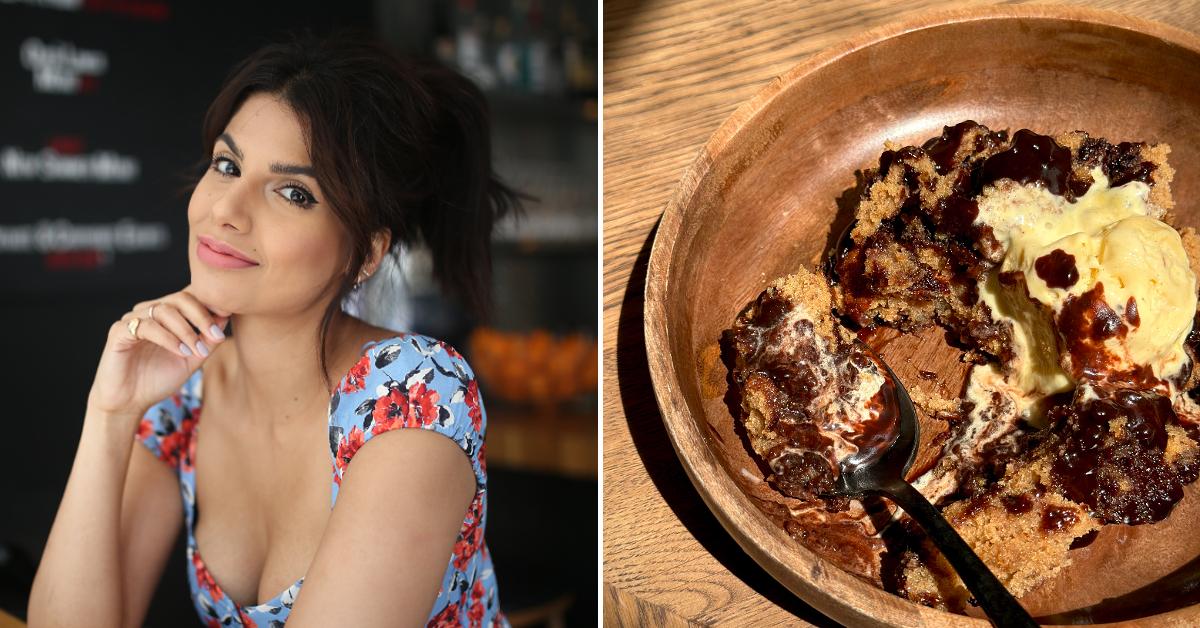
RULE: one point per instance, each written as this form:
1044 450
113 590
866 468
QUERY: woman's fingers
202 320
179 323
200 316
166 315
154 332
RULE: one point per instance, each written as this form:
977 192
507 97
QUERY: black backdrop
100 130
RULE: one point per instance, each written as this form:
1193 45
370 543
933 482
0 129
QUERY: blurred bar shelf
557 440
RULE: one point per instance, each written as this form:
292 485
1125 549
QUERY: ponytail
468 198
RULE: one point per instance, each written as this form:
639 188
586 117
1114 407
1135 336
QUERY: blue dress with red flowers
408 381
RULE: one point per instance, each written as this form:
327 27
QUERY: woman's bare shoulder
377 335
364 333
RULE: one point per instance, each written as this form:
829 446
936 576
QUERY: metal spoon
881 471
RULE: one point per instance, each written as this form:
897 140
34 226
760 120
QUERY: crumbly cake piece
809 397
933 404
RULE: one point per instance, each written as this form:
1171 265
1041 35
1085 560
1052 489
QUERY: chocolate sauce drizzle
1032 158
1057 269
1017 504
1122 163
1110 456
1055 519
943 149
1131 312
1085 322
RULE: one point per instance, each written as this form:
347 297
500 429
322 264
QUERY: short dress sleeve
166 428
408 381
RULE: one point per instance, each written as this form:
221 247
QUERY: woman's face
259 196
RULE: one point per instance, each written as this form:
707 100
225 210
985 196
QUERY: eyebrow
290 169
224 137
276 168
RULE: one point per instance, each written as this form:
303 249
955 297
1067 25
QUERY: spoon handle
1001 607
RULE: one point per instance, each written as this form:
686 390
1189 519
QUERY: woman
325 156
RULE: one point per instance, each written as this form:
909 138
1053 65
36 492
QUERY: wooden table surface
673 72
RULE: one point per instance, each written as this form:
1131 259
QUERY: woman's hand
137 372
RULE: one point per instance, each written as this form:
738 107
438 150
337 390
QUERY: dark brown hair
397 145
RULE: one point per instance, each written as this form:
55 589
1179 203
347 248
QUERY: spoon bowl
872 469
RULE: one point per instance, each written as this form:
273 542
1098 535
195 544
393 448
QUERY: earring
362 276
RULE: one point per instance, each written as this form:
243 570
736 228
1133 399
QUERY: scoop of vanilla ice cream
1141 263
1109 236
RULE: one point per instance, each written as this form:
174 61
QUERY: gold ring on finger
152 311
133 325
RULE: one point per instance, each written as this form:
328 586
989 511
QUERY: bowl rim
679 424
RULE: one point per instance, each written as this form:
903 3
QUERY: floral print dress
408 381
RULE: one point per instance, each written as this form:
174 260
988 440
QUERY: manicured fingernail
184 349
216 332
202 348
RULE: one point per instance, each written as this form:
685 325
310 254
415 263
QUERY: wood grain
623 610
673 73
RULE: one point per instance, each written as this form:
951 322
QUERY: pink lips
217 253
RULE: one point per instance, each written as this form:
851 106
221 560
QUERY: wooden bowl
762 196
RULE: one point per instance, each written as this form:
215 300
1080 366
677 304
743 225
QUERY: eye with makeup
292 191
297 195
224 166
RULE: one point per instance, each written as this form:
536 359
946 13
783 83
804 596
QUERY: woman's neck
272 365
